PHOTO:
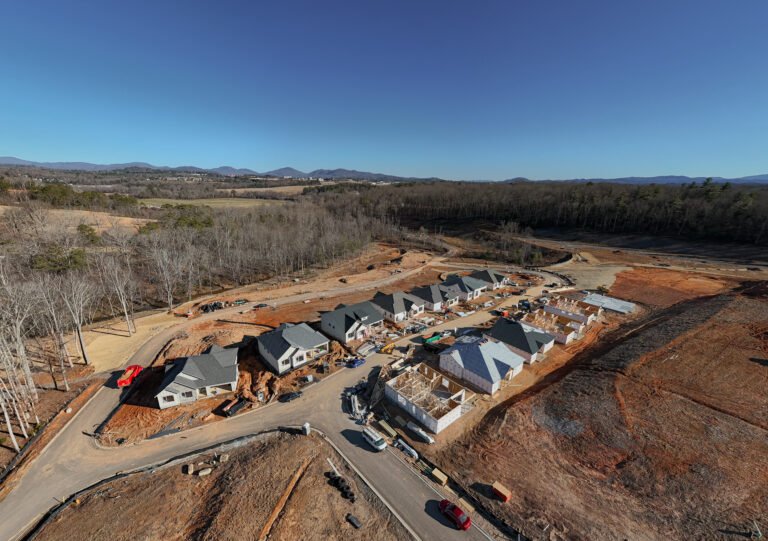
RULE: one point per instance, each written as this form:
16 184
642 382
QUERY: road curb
369 485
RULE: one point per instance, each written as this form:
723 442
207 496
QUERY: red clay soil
658 432
233 502
663 287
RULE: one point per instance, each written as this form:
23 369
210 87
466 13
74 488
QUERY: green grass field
214 203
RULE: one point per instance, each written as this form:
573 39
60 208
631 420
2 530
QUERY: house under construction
573 309
431 398
563 329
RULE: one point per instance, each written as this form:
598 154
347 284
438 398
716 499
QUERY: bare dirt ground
657 432
234 502
139 417
662 287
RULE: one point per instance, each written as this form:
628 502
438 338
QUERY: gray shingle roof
491 361
464 283
488 276
345 317
519 335
433 293
216 367
396 302
287 336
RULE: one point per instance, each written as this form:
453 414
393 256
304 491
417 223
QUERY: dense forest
708 211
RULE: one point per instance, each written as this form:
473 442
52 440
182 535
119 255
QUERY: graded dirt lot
657 432
234 502
662 287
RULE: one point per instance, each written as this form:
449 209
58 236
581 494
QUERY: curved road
73 461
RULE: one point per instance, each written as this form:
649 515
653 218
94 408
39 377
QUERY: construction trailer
430 397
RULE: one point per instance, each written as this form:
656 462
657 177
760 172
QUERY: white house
199 376
526 341
436 299
466 287
494 280
291 346
481 362
398 306
352 322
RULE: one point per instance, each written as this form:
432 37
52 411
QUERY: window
285 362
187 394
169 398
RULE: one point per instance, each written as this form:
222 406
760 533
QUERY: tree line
708 211
55 280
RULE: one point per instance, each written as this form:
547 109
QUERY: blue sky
479 90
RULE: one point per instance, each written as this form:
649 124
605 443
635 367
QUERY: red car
456 515
129 375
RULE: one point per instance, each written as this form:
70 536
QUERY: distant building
481 362
291 346
199 376
352 322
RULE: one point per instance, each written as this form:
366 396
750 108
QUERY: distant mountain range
348 173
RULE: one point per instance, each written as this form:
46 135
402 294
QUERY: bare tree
115 273
78 294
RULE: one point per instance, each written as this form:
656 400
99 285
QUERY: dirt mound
233 502
664 287
659 432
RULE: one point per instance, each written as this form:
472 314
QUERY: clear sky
458 89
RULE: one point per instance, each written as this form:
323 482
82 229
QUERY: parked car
237 406
239 302
129 375
290 397
357 361
455 515
260 305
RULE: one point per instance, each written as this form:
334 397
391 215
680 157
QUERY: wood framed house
290 346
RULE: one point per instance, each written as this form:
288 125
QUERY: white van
374 439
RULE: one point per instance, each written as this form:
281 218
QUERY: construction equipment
388 348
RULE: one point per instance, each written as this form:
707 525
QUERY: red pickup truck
129 375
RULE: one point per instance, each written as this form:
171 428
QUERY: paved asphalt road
73 461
